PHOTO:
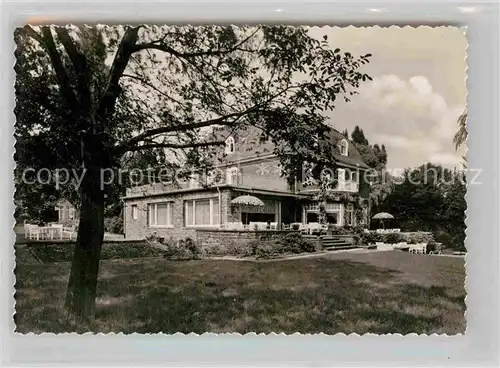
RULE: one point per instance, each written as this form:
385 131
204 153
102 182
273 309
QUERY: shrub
393 238
184 249
431 246
290 243
370 238
152 237
190 245
114 224
294 243
264 250
417 238
453 241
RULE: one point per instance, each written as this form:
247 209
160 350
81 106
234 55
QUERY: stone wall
232 242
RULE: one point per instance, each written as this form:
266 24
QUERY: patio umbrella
382 216
248 200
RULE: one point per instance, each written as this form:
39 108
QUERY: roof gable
248 144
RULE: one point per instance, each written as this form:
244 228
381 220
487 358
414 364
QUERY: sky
417 93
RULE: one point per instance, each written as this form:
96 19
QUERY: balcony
342 186
348 186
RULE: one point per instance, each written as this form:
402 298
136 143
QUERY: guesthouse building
250 170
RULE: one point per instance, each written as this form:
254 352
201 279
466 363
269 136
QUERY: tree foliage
461 134
88 97
375 157
430 198
358 137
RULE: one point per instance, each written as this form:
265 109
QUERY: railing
348 186
342 186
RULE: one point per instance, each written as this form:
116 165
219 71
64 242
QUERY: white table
51 232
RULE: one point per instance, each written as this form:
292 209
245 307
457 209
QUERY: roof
147 194
353 157
249 145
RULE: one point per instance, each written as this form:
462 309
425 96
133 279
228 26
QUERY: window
71 213
135 213
64 212
230 146
201 212
354 176
233 175
332 207
340 174
160 214
349 214
344 147
350 175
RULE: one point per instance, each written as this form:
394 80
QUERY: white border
477 347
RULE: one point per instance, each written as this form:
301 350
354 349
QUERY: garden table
51 232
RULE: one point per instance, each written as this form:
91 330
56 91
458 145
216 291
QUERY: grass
380 292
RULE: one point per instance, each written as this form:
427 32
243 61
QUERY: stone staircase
332 242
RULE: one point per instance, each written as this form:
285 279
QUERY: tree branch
47 41
80 63
159 45
173 146
125 50
33 34
185 127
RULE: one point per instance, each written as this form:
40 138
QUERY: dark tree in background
87 96
430 198
375 157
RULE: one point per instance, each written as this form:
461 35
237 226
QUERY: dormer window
230 147
344 147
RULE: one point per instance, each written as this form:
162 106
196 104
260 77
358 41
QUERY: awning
247 200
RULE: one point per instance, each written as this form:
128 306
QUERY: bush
431 246
453 241
370 238
264 250
114 224
64 252
294 243
184 249
393 238
418 237
290 243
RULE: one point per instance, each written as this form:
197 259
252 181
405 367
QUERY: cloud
409 117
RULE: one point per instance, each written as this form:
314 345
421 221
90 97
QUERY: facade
248 168
67 214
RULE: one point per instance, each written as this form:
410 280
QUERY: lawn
379 292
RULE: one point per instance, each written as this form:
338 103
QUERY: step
342 247
336 242
337 245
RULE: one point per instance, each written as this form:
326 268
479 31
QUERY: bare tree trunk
82 286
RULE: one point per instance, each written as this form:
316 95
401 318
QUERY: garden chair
27 230
68 232
285 226
313 226
273 226
33 232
